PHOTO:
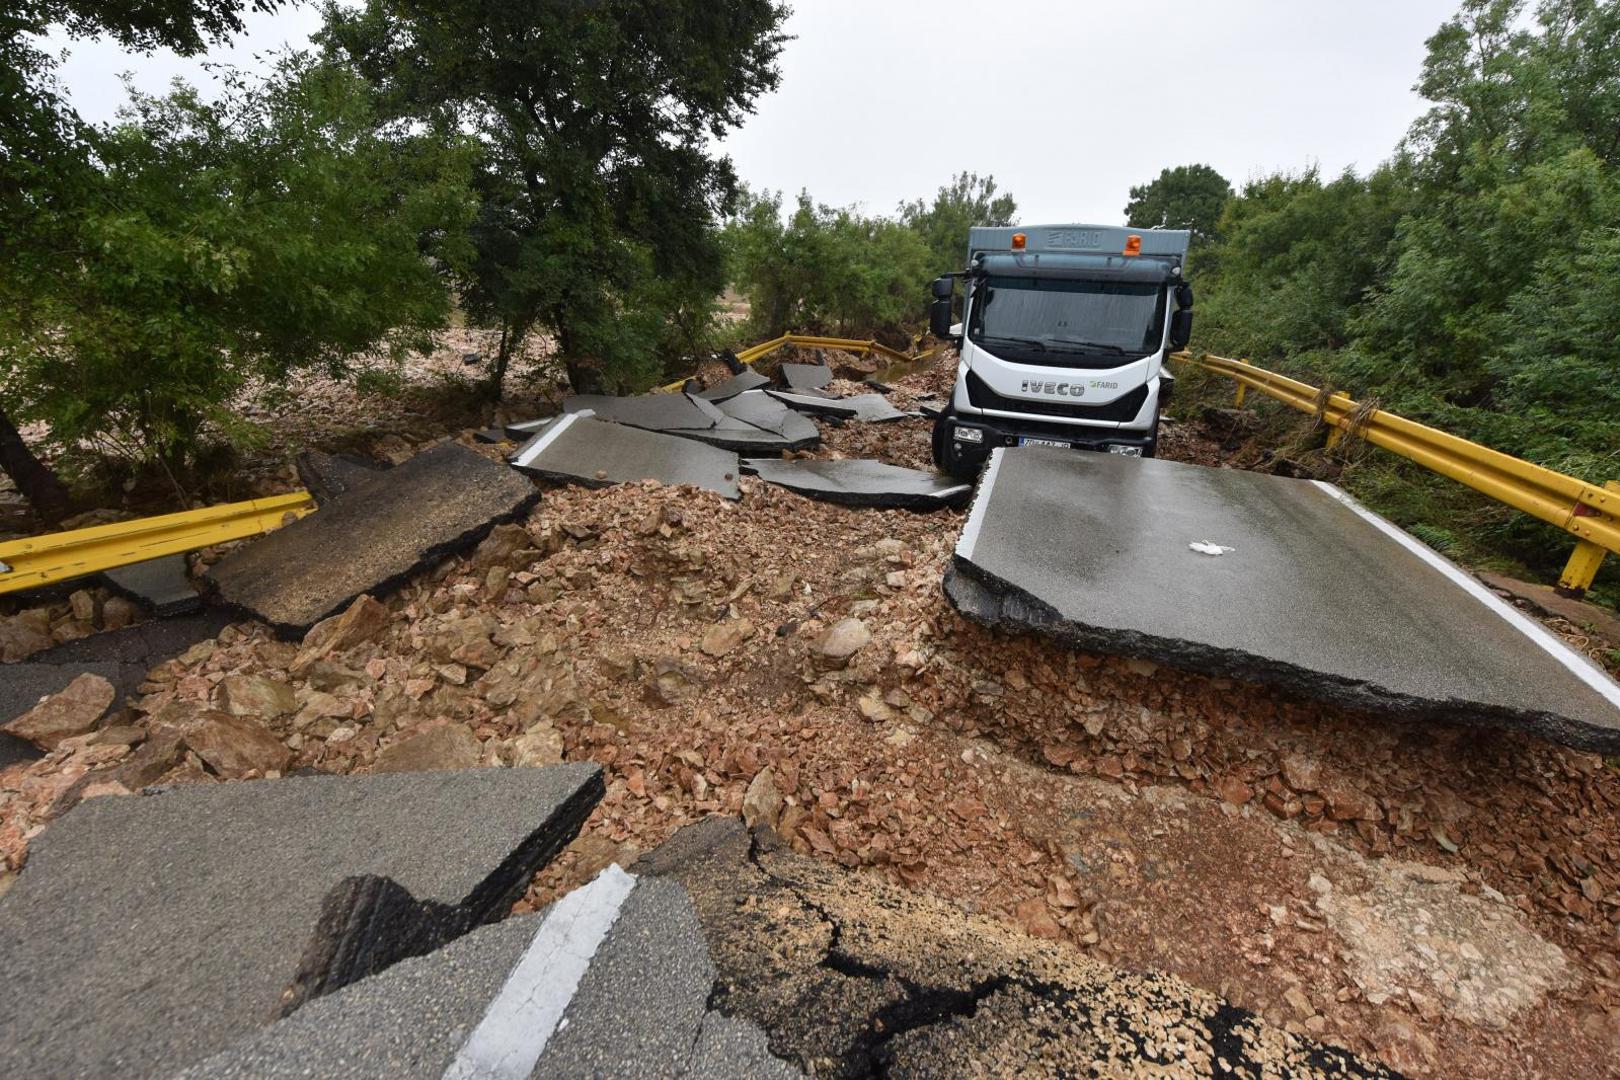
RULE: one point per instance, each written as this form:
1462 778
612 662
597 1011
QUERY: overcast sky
1066 102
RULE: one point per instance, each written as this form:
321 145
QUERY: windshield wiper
1097 345
1037 342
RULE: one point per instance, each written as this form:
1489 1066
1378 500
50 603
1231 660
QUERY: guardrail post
1242 389
1584 562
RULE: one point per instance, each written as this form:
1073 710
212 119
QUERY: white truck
1063 339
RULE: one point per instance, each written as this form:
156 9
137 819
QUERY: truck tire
948 455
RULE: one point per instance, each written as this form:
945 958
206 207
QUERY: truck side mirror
942 287
939 318
1184 295
1180 329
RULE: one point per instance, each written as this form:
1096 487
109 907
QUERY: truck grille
1120 410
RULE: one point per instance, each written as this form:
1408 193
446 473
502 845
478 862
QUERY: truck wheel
948 454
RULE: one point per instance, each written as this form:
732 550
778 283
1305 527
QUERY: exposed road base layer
372 538
1267 580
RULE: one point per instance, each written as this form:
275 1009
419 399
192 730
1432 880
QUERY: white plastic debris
1209 547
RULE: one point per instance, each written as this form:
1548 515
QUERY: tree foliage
599 193
1185 197
943 224
829 269
278 228
1470 281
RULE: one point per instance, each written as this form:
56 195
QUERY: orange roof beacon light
1133 245
1018 241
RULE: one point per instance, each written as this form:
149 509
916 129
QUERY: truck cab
1062 340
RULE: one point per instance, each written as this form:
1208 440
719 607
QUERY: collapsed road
1431 897
1265 578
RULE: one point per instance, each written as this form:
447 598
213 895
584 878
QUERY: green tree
943 224
1185 197
278 228
47 162
600 194
828 269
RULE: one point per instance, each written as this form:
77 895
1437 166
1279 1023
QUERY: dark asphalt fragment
163 585
328 476
209 896
743 381
806 376
859 482
763 411
580 449
1264 579
650 412
372 538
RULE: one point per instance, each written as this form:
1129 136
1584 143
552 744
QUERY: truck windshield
1042 315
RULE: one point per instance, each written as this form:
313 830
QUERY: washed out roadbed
1444 900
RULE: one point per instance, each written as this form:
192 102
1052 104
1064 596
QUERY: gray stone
372 539
580 449
201 913
857 482
1308 592
163 585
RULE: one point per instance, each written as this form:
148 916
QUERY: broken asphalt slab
870 408
372 538
852 977
580 449
765 412
806 376
743 381
163 585
1310 592
859 482
327 476
650 412
611 980
201 913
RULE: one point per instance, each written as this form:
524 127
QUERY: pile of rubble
1440 898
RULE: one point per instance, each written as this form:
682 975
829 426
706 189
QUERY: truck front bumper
980 434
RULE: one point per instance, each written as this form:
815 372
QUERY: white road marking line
975 521
536 445
521 1019
1578 665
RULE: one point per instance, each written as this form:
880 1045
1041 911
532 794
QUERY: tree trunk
503 359
48 495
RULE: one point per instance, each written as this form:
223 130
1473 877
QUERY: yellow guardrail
805 341
1586 511
43 560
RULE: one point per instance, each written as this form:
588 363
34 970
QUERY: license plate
1043 442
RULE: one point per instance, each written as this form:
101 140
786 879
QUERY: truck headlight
1127 451
968 434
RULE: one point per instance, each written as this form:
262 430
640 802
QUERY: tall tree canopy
600 195
1185 197
943 224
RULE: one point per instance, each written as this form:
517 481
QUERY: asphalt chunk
328 476
763 411
650 412
613 980
215 901
372 538
861 482
743 381
1264 579
806 376
579 449
162 585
